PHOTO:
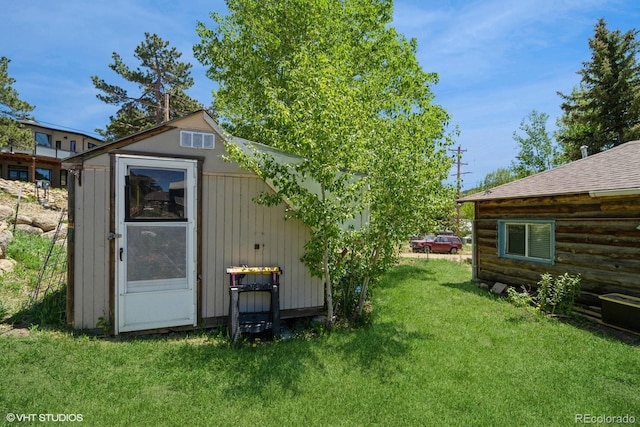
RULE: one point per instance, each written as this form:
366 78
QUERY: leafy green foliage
161 73
334 83
604 110
12 108
519 299
557 295
537 152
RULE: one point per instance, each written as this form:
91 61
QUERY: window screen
539 241
533 240
156 252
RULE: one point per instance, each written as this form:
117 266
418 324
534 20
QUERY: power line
61 127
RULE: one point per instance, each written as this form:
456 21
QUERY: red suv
420 245
447 244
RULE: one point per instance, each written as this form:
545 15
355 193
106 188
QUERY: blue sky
497 60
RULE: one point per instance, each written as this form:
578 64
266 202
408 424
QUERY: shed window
531 240
197 140
155 194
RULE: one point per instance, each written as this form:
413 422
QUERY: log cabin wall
599 238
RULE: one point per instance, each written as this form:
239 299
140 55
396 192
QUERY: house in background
582 217
159 216
43 161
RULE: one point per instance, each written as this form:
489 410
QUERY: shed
582 217
156 218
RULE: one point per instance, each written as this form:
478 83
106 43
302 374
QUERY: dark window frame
21 173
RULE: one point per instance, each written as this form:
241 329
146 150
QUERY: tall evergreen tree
161 74
12 108
604 111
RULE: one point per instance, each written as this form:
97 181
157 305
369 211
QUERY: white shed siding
91 228
233 224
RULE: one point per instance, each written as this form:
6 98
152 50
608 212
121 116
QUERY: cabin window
530 240
197 140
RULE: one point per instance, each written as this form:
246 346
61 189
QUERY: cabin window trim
198 140
524 249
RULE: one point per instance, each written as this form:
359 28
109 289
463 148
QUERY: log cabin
579 218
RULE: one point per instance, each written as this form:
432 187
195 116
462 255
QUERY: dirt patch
11 331
55 200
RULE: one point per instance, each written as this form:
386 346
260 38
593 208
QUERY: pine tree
604 110
160 74
12 108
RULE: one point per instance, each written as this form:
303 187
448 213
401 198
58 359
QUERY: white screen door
155 243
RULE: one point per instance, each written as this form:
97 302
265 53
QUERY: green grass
439 352
29 252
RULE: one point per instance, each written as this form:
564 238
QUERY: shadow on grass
253 371
529 315
377 349
470 287
48 312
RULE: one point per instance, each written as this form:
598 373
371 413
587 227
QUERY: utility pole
458 157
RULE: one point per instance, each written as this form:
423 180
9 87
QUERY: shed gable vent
197 140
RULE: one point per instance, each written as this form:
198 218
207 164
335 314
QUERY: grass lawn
439 352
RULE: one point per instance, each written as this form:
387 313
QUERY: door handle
121 251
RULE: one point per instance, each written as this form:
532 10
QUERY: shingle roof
615 169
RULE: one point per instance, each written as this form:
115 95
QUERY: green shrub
557 296
519 299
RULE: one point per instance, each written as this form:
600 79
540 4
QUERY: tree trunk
328 286
327 273
365 285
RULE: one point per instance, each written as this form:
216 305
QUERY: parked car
421 245
446 244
